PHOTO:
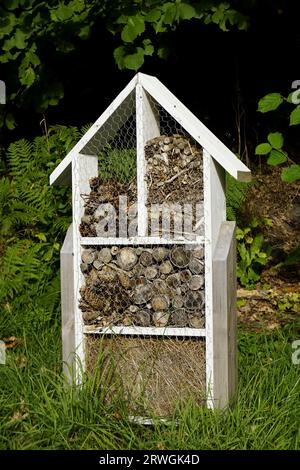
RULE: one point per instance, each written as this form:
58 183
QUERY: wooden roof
225 157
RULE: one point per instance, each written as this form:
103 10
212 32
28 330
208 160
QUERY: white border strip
139 241
145 331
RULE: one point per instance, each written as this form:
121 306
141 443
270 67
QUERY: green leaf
270 102
276 140
134 27
41 236
170 14
256 245
240 234
64 12
276 157
291 174
119 55
263 149
48 255
153 15
134 61
20 39
7 23
295 116
148 47
159 27
186 12
28 77
10 122
122 19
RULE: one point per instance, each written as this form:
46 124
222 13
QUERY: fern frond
236 192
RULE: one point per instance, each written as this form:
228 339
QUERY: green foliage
34 219
150 21
117 163
291 174
236 192
289 302
263 149
38 410
31 30
252 253
295 116
250 242
270 102
276 140
273 148
276 158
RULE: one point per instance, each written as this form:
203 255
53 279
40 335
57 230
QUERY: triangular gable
166 99
62 174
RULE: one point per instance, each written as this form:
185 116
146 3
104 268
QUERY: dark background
211 71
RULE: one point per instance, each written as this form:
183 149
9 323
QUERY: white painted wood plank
145 331
195 127
147 127
67 304
214 215
62 171
141 165
84 241
84 167
225 317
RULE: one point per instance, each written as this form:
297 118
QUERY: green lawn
37 411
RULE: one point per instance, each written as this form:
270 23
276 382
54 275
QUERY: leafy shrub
252 253
35 217
273 148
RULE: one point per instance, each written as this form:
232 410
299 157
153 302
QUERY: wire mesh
153 285
145 286
173 173
154 376
115 145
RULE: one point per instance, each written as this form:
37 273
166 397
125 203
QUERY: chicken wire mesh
173 174
115 146
154 376
144 286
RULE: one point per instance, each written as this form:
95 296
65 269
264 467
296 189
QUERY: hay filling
156 374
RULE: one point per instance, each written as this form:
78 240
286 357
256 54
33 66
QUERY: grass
37 410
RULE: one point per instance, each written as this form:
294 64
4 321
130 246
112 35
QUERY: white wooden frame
146 331
84 167
77 168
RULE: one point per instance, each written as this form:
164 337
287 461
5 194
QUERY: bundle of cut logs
174 176
174 170
144 286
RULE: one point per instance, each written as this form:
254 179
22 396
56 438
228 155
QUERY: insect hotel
148 265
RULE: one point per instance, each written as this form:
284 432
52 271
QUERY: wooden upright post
225 317
84 167
147 127
67 304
